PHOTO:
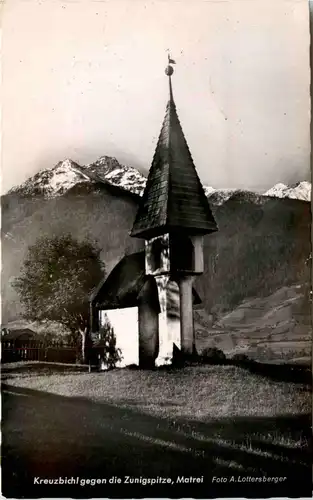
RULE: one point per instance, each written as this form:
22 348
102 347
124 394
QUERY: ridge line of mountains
59 179
256 284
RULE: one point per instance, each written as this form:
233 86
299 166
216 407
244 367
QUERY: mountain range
256 284
67 173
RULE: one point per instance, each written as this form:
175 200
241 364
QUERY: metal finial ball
169 70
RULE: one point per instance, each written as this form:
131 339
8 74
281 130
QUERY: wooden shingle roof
123 287
174 196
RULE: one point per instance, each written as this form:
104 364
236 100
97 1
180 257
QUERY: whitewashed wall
125 325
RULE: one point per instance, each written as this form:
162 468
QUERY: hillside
275 328
262 244
260 250
103 212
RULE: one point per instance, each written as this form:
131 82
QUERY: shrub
241 358
104 347
212 355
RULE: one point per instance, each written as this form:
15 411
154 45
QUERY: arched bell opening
157 255
182 253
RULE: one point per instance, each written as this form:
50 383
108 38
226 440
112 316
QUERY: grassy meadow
188 398
205 420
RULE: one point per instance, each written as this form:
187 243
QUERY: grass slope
210 421
276 328
45 435
199 393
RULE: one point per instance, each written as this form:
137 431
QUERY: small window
182 253
156 254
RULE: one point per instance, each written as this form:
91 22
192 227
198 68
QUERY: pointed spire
174 196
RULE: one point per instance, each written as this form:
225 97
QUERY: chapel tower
173 217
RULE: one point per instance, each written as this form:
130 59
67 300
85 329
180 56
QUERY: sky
85 78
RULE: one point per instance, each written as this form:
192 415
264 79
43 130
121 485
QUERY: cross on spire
174 196
169 70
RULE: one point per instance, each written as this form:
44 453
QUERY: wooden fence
12 351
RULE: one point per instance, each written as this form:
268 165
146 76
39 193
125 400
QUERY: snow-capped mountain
299 191
108 169
66 174
53 182
218 196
